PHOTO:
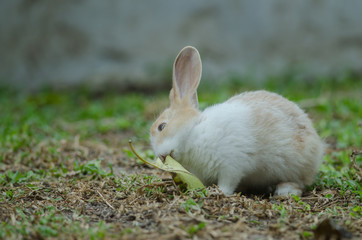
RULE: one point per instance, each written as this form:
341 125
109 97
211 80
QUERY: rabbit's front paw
228 184
288 188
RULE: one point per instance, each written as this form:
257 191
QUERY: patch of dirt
158 209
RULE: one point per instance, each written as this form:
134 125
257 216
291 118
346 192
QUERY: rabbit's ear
186 76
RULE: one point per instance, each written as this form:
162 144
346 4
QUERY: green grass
63 153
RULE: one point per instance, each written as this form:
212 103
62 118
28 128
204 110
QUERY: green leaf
180 174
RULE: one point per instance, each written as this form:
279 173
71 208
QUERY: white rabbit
252 142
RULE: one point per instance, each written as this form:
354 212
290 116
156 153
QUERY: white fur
220 147
288 188
230 144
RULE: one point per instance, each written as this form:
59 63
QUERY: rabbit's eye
161 126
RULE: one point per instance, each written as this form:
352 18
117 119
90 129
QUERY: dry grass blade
109 205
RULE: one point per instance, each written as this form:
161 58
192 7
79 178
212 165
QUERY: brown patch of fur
273 99
175 117
300 136
263 118
258 101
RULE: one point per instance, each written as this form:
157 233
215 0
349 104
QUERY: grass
66 170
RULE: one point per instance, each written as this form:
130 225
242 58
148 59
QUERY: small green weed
11 177
196 228
92 168
191 205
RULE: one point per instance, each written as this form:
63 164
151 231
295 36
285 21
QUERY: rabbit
255 141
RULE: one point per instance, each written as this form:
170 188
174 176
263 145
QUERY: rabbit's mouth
163 156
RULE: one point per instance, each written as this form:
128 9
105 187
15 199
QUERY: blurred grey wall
133 43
